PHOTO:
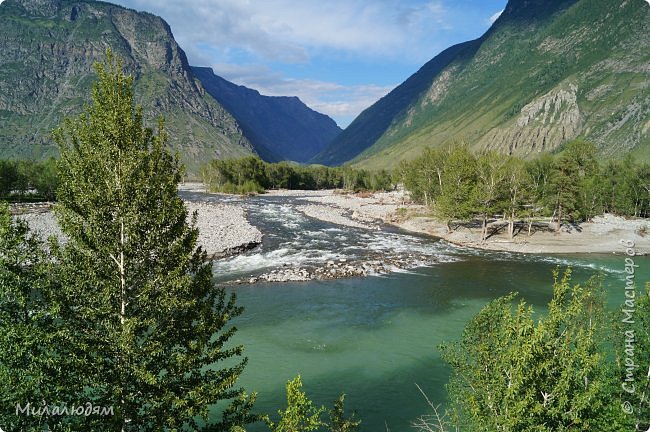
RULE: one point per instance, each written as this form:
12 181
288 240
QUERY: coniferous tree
148 330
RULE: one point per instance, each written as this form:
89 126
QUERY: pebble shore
602 235
223 228
337 216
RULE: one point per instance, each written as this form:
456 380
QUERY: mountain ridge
546 72
48 51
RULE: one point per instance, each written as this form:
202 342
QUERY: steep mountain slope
280 128
546 72
47 52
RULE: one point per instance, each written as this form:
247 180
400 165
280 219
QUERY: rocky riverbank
342 268
223 228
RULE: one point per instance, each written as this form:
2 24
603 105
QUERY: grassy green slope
545 73
376 120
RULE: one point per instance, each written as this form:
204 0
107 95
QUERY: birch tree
148 328
517 191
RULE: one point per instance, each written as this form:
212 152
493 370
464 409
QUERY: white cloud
341 102
231 33
494 17
286 30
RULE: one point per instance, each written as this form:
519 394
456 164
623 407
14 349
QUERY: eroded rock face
542 125
47 52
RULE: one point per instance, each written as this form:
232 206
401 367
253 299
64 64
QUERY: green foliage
28 181
28 369
301 415
539 174
457 194
490 188
519 193
570 185
512 373
251 175
572 172
338 422
144 327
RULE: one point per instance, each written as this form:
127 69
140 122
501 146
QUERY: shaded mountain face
47 52
280 128
547 71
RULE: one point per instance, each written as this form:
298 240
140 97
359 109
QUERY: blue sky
338 56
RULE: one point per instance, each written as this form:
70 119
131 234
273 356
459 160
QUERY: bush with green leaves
302 415
513 372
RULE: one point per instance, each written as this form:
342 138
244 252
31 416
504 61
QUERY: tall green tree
511 373
457 200
539 171
572 170
148 330
517 192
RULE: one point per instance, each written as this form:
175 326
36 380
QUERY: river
374 338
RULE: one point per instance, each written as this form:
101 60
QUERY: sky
337 56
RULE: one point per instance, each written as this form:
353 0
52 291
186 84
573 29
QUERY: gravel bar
223 228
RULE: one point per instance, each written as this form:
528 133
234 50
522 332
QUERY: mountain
546 72
280 128
47 52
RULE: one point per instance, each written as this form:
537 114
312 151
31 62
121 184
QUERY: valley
471 252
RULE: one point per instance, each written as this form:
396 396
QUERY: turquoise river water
374 338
